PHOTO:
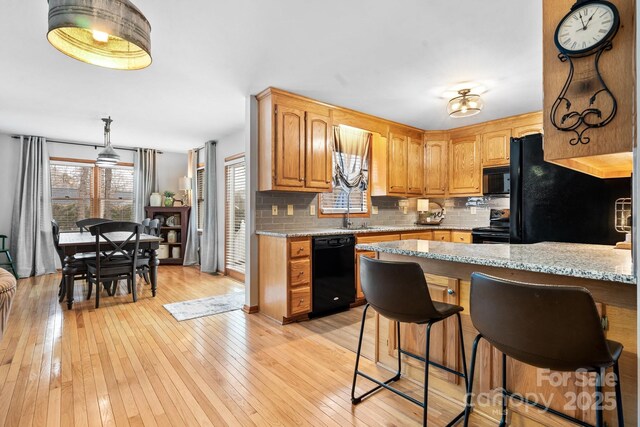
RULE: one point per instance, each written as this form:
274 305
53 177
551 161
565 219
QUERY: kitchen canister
172 236
163 252
175 252
155 200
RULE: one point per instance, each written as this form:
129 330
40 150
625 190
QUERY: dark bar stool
562 332
398 291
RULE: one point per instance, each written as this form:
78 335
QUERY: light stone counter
596 262
311 232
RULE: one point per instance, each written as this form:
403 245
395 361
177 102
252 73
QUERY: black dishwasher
333 277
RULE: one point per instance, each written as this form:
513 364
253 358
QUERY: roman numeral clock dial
584 34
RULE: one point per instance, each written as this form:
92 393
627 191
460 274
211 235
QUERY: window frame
200 167
231 162
366 214
95 199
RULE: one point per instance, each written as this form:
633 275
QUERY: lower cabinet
285 277
359 254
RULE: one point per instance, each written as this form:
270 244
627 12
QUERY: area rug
186 310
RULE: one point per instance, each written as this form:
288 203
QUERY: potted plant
168 198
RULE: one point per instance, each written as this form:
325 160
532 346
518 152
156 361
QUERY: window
200 183
235 197
79 190
335 203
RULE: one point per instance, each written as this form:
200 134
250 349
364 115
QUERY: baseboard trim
253 309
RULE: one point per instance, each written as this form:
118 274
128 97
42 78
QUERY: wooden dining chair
115 260
84 224
152 227
5 251
78 264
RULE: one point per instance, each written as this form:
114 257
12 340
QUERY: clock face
587 27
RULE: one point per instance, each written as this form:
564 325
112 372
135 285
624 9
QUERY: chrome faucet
346 222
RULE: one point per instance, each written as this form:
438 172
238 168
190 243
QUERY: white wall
171 166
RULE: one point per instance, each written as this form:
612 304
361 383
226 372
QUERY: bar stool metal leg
599 398
616 371
472 369
503 420
426 375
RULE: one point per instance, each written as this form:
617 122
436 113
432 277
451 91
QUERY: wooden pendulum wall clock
583 37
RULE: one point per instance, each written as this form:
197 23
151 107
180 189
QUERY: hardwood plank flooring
134 364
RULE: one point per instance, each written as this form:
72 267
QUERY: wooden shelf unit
183 213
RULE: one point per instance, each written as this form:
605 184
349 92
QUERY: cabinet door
520 131
442 235
461 237
415 166
495 148
435 170
359 293
464 166
289 150
397 164
318 164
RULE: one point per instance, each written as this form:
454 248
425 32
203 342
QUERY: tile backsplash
458 211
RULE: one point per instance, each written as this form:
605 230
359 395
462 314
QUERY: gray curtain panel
351 151
193 240
145 180
209 246
31 235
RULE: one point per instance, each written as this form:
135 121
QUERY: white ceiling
393 59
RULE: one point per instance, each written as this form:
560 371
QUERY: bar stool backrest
397 290
547 326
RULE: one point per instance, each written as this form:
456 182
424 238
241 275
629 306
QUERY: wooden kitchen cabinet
420 235
294 144
435 167
359 254
284 275
461 237
496 148
442 235
445 341
397 168
415 166
465 172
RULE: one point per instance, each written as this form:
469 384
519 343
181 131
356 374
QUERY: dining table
74 243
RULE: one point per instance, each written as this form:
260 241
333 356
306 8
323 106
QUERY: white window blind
71 188
234 211
116 193
81 190
336 201
201 183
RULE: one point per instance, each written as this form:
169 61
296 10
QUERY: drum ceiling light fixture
108 33
465 105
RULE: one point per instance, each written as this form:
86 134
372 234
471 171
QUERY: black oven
496 181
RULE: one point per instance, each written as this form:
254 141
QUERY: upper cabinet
435 165
495 148
580 91
294 144
397 167
465 170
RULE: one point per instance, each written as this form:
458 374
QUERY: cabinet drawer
300 300
299 272
421 235
299 248
443 236
378 238
460 237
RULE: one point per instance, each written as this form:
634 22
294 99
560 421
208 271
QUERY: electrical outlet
374 210
404 210
403 203
312 209
474 210
274 210
289 210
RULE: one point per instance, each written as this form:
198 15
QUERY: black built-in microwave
496 181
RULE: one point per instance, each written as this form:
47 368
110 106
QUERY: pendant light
107 33
108 157
465 105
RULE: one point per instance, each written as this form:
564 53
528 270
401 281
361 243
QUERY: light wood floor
134 364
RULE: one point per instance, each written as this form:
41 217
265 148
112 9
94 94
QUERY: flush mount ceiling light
108 157
465 105
107 33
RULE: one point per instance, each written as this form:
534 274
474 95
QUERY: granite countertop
596 262
308 232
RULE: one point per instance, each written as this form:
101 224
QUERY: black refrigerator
550 203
